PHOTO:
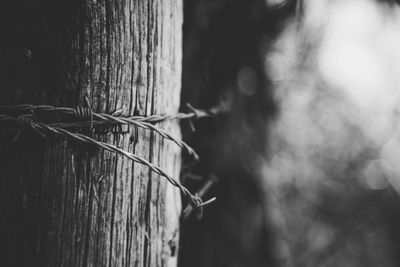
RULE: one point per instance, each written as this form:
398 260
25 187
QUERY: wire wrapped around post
18 115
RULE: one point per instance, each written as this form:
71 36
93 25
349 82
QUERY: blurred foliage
257 221
223 65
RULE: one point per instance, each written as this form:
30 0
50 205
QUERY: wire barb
196 205
26 121
85 113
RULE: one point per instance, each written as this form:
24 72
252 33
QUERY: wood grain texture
67 204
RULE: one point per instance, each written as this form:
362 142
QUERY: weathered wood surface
67 204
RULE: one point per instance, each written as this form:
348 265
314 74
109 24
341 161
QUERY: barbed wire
193 114
18 114
41 128
108 120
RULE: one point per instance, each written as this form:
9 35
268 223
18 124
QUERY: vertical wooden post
64 204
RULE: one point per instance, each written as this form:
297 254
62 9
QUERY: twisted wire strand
106 119
28 107
121 120
149 126
193 114
145 122
42 127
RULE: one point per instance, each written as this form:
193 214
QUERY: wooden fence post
66 204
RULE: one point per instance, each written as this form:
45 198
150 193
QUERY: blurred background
308 156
